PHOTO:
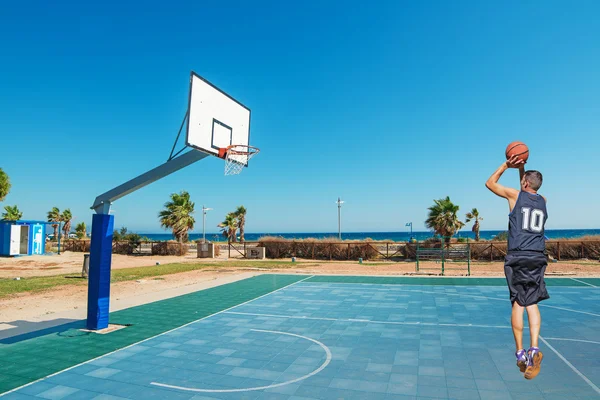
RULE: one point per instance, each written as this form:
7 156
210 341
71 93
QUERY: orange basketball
518 149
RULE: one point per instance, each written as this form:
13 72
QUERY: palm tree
240 214
66 217
120 235
229 227
4 185
12 213
80 230
54 216
443 218
177 215
474 215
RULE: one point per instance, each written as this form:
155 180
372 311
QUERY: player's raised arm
502 191
521 167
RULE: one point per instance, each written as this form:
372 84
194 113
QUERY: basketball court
298 337
318 337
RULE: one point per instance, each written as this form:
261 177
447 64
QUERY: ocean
387 236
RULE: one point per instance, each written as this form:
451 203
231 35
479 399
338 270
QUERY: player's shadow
24 330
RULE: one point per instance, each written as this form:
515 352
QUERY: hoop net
237 157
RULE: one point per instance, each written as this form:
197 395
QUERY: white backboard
216 120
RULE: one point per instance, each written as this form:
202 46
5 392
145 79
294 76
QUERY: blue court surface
342 338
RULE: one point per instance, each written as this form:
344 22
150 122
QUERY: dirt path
33 311
72 263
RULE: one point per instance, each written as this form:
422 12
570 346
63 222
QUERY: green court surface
26 358
299 337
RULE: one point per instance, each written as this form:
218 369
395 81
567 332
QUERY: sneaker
534 363
521 360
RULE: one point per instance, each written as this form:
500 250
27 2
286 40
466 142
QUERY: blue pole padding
99 274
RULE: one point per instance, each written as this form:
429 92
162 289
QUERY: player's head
532 180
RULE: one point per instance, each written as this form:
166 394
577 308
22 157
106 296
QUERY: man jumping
526 258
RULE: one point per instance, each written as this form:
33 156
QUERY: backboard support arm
185 117
102 236
233 118
103 202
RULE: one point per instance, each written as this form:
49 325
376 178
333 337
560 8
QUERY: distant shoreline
379 236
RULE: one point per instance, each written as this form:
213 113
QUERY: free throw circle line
316 371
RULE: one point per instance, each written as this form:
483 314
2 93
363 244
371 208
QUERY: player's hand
515 162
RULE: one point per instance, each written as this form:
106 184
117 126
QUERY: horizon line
346 232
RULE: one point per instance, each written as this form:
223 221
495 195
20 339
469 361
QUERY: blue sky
387 104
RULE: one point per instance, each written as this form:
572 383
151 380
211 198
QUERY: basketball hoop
237 157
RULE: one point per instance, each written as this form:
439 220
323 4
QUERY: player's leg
535 322
517 312
537 265
534 355
517 328
517 324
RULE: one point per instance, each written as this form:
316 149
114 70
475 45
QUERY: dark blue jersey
526 223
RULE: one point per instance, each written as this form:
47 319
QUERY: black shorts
524 272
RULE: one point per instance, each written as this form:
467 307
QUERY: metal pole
339 220
339 203
59 228
204 210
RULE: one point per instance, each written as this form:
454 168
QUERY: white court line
585 283
572 340
316 371
582 376
417 323
150 338
568 309
424 284
475 297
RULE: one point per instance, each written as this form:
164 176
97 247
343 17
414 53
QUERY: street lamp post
411 233
204 210
58 238
339 203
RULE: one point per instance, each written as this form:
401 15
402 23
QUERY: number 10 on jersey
533 220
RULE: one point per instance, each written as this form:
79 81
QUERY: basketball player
526 258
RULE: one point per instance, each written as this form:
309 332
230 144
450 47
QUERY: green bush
501 237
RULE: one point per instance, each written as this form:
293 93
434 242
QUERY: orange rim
250 150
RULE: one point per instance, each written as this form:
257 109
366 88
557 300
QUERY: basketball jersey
526 223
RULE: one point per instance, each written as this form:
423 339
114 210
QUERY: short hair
534 178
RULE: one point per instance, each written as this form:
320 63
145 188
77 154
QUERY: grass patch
36 284
10 287
136 273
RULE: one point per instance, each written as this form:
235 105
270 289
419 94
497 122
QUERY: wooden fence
134 248
560 250
480 251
